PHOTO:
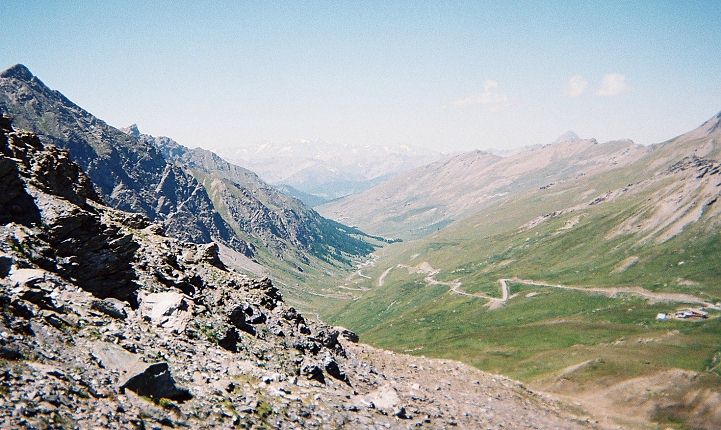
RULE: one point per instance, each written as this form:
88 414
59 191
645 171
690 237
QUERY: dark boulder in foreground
156 382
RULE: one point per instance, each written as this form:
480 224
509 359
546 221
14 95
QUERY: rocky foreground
108 323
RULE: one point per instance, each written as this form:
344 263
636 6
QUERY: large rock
97 257
5 265
210 253
244 316
157 382
28 277
169 309
152 380
384 398
347 334
111 307
331 366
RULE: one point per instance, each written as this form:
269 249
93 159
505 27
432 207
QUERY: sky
449 76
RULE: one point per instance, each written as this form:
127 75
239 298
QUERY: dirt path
613 292
351 281
344 287
382 278
454 285
360 273
495 302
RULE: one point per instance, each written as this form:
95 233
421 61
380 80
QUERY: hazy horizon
447 78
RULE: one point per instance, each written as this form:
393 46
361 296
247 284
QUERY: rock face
129 174
95 256
107 323
258 212
168 309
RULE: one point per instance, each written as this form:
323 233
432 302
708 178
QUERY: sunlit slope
427 199
588 264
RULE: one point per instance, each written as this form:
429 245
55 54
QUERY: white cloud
491 98
576 86
612 84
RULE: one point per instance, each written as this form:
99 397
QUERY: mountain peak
131 130
18 71
712 125
568 136
716 120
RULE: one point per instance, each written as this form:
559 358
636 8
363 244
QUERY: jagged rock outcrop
107 323
74 242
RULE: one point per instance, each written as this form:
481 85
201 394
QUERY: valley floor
599 348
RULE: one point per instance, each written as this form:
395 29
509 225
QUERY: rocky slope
422 201
258 212
106 322
198 196
129 174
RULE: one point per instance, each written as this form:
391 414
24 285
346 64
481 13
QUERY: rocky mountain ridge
257 211
198 196
107 322
130 175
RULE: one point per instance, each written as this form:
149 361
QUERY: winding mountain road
496 302
614 291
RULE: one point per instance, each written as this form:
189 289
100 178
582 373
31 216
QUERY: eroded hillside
426 199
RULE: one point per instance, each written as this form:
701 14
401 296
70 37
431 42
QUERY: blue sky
445 75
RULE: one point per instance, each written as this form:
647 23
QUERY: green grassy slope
656 228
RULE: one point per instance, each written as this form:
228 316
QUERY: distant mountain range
130 175
199 196
326 171
423 200
257 211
